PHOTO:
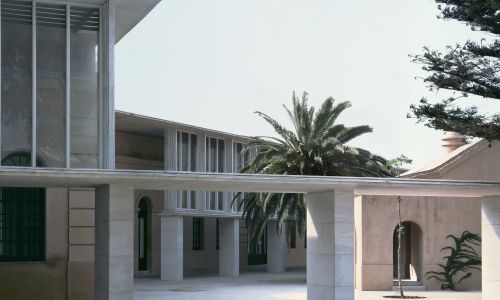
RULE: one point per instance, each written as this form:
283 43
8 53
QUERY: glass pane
207 155
185 152
179 151
193 199
212 201
16 76
51 85
84 87
194 147
184 199
213 155
220 201
220 157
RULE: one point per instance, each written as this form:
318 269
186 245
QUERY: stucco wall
436 217
483 165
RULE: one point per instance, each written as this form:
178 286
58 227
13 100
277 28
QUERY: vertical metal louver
84 18
51 14
17 11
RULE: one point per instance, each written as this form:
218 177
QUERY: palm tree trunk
400 230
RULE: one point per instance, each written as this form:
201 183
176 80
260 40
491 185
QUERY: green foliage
471 68
463 258
315 146
396 164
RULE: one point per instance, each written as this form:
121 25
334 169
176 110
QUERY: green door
143 234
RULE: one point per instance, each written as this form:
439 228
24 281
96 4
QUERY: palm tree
315 146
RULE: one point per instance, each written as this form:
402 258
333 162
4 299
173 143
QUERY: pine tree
471 68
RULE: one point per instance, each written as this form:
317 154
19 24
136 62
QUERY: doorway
411 252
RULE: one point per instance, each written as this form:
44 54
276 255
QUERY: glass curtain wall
215 154
49 79
187 149
17 82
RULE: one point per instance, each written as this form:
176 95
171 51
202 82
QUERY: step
410 288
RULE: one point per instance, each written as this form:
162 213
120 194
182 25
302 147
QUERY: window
240 160
198 234
22 224
187 149
215 163
50 83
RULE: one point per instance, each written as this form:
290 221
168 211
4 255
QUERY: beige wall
436 217
483 165
376 219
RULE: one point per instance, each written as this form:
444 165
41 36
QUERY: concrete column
490 234
229 247
114 242
276 249
172 248
330 245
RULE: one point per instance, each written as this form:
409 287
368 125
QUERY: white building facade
74 225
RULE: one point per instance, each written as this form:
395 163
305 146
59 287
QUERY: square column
229 247
114 242
276 249
330 245
490 247
172 247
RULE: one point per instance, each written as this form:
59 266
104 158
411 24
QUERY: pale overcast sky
213 63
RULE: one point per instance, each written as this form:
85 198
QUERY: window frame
190 196
217 197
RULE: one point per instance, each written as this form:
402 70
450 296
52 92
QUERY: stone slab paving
257 286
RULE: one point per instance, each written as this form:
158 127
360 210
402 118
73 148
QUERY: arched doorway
144 233
411 252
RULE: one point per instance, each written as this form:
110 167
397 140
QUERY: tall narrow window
198 233
16 88
240 160
51 84
187 149
84 49
215 154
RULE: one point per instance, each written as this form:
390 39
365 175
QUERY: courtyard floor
256 285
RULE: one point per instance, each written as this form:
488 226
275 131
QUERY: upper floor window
215 157
50 93
187 149
240 160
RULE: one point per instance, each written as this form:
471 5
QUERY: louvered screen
17 11
51 15
84 18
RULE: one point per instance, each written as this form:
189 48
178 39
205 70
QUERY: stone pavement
257 286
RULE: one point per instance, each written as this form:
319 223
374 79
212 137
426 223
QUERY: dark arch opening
144 233
411 252
21 159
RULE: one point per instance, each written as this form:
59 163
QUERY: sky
214 63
